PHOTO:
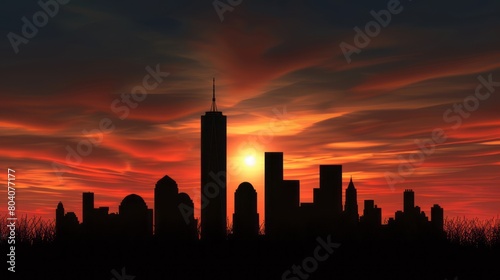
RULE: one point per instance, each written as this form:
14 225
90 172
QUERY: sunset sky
284 84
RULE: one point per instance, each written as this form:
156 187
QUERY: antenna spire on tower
214 106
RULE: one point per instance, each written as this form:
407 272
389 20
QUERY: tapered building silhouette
245 217
213 174
351 205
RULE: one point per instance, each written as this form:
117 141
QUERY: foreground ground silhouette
258 259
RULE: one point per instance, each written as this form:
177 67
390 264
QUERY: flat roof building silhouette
87 207
286 217
408 201
273 179
329 195
437 217
213 173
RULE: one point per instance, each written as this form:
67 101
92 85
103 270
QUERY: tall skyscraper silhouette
282 198
245 217
273 178
59 220
437 217
329 195
87 207
213 173
408 202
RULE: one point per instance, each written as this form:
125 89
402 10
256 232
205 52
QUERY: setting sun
250 160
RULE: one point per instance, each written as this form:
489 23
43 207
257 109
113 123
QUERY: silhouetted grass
459 230
29 230
473 232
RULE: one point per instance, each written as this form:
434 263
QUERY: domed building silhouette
187 230
166 212
136 219
174 212
245 217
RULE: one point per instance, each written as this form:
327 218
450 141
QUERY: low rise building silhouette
372 215
133 221
67 225
413 224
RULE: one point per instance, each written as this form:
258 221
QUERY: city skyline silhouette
210 248
286 218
